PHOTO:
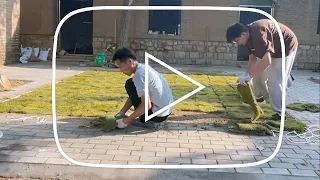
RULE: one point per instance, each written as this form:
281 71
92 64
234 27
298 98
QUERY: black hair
235 31
122 54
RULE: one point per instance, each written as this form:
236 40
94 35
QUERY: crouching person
160 94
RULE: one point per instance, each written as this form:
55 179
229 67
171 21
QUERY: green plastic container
100 58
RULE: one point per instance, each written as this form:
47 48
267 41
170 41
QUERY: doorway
247 18
76 33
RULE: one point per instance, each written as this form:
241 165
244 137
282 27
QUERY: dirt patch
198 118
16 83
315 80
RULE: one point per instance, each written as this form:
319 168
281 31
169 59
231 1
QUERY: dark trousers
136 101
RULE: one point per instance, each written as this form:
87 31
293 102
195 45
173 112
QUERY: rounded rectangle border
194 8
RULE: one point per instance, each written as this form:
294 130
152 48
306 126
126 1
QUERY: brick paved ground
32 141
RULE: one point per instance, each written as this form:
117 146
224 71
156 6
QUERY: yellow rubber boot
247 95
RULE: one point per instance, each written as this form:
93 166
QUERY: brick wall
9 31
302 17
37 41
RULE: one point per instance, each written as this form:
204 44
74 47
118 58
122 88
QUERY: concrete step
76 57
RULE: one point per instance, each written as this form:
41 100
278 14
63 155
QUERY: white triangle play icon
146 86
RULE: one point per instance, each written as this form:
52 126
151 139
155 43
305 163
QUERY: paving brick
204 161
281 165
6 152
168 154
314 156
134 148
106 147
189 137
313 161
196 146
299 151
62 144
168 136
177 150
237 147
36 143
168 144
76 140
197 134
279 171
252 153
225 151
23 153
193 150
307 166
143 153
57 161
212 146
140 163
199 141
153 149
77 156
133 139
221 142
93 151
218 156
222 161
112 137
249 170
229 170
49 154
268 154
184 141
100 157
156 140
32 159
152 159
126 158
309 147
264 165
285 146
9 158
120 162
122 142
138 143
44 149
43 135
178 160
118 152
297 156
300 172
260 158
242 158
71 150
211 138
231 139
292 160
81 145
193 155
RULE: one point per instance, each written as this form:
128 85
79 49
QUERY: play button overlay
146 86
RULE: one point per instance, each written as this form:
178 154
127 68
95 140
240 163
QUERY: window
165 21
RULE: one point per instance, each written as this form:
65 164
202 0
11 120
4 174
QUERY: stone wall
308 57
41 41
178 51
9 31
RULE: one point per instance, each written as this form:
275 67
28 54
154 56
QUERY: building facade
180 37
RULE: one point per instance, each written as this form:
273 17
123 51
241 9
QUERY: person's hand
244 79
121 124
120 115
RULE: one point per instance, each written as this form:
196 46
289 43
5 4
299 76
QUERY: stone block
194 55
304 47
221 49
180 54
